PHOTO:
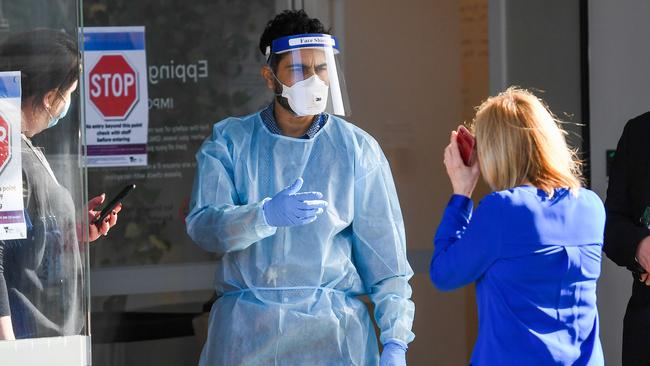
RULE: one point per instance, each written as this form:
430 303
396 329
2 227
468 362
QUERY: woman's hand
6 329
463 178
100 228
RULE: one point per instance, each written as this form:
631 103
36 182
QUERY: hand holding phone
466 145
113 203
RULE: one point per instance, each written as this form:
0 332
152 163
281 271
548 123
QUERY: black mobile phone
114 202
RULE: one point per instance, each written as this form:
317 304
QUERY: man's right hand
643 257
290 208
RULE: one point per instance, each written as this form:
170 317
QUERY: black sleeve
4 295
5 308
623 231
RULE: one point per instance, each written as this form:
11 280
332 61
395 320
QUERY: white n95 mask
307 97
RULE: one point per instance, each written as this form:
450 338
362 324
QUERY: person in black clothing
627 233
41 278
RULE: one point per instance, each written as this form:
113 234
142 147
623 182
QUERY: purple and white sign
12 217
117 111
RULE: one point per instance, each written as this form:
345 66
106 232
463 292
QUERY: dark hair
47 59
288 23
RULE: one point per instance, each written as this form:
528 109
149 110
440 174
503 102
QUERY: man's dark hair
48 60
288 23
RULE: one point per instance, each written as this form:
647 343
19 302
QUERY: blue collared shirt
535 261
269 121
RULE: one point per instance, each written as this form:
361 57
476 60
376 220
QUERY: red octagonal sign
113 86
5 143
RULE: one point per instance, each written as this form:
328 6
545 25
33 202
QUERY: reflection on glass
199 72
43 270
43 289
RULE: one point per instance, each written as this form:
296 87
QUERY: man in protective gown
302 209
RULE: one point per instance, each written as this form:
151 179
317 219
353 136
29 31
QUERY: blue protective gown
289 296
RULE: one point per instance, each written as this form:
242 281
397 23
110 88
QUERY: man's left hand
394 354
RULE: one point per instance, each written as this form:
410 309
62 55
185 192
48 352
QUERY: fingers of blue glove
293 219
310 212
308 220
305 196
306 205
294 187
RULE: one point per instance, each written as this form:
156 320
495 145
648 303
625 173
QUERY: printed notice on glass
12 214
116 100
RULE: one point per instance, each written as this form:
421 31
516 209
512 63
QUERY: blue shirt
535 261
268 118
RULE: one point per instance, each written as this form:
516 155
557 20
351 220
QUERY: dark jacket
43 274
628 195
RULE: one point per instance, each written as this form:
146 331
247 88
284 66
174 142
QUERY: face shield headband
314 76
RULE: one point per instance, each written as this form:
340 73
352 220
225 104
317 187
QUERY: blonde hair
519 140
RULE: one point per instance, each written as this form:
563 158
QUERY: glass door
44 228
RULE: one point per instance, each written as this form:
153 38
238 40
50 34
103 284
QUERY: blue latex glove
290 208
394 353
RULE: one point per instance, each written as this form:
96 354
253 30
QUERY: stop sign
113 86
5 146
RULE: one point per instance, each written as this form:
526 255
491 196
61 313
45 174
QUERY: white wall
403 72
535 44
619 90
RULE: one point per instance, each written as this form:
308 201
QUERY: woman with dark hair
41 276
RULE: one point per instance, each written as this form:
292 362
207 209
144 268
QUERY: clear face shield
308 76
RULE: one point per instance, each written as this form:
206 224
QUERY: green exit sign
610 160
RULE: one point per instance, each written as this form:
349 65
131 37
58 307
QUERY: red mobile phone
466 145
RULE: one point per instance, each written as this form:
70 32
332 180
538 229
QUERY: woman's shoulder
495 201
591 199
536 199
509 197
588 194
510 202
531 216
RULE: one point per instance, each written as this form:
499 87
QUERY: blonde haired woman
533 246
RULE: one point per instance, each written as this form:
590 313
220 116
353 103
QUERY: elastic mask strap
282 86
